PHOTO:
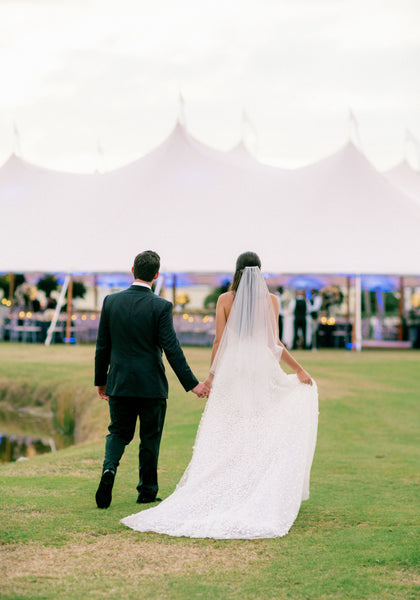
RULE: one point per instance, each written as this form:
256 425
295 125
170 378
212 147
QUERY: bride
254 448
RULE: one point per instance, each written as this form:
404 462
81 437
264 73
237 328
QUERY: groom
135 326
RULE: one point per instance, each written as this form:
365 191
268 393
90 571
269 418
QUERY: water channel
29 431
20 447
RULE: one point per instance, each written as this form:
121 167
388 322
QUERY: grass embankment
354 539
48 391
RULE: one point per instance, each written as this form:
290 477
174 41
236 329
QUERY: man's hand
304 377
201 390
101 392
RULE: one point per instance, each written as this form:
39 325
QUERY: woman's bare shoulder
226 298
274 300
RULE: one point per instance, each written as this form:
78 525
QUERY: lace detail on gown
252 456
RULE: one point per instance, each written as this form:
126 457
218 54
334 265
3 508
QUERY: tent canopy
405 178
199 208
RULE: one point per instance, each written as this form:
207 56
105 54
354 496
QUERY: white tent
43 213
240 155
336 216
199 208
405 178
348 218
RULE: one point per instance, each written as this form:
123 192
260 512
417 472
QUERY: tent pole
401 310
348 299
11 289
357 320
358 313
69 303
378 314
57 311
174 290
368 307
95 291
159 284
353 329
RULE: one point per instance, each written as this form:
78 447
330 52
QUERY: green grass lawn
356 537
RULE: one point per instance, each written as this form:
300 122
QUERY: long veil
252 324
253 451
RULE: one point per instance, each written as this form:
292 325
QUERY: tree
47 285
210 301
79 289
390 304
5 283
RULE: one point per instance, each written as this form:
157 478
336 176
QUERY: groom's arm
103 349
173 351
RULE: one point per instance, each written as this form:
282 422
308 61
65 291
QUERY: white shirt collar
140 283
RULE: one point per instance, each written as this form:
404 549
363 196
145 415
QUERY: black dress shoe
142 499
104 493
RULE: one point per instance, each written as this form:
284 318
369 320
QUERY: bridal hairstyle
251 328
247 259
146 265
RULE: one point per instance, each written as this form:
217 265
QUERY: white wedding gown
254 448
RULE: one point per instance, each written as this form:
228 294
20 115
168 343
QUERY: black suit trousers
299 324
124 411
280 327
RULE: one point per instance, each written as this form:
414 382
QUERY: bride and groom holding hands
254 448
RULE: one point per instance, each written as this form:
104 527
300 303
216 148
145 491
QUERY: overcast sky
73 72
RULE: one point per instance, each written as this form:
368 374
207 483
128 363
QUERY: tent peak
182 117
180 127
241 156
403 167
240 146
347 153
12 159
240 149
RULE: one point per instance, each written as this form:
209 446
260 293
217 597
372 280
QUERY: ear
132 270
156 276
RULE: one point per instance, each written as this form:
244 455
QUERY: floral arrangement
331 295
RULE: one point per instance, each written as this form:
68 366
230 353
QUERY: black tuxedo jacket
135 326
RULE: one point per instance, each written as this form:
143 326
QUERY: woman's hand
304 377
208 382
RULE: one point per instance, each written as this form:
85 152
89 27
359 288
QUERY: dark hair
146 265
247 259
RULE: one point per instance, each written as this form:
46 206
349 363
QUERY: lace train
252 457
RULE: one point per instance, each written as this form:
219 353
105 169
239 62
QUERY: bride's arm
286 357
221 319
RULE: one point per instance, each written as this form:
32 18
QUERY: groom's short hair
146 265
